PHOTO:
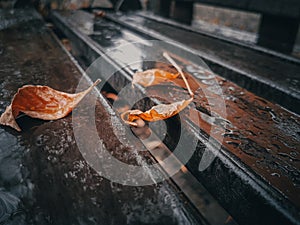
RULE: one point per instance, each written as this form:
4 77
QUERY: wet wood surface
44 178
264 74
262 138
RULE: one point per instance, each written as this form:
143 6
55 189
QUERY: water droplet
231 98
275 174
231 88
203 77
191 68
235 144
41 140
294 154
207 82
273 116
287 155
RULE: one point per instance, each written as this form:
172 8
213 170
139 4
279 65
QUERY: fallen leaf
66 44
166 55
109 95
158 112
161 111
99 13
41 102
153 77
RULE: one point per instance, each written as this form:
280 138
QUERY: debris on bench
255 69
45 179
41 102
259 136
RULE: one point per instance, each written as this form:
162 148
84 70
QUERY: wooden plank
274 7
44 178
243 172
252 68
279 24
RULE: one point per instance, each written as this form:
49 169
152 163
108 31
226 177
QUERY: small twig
91 87
166 55
96 82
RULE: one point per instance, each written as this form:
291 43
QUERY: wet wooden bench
255 174
44 178
266 73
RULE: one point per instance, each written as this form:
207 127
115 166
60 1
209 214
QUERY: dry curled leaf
41 102
153 77
99 13
162 111
158 112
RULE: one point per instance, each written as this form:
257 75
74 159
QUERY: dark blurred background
233 24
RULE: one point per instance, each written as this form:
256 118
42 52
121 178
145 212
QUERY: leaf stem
166 55
124 114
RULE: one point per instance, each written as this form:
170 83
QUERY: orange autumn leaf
153 77
158 112
41 102
161 111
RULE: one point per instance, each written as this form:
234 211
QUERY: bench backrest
289 8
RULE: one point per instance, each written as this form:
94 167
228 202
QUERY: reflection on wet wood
254 170
43 176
